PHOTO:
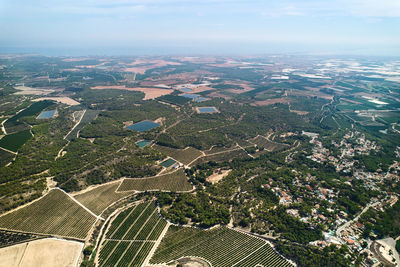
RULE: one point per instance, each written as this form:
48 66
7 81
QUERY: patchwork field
220 246
175 182
100 197
184 156
41 253
55 214
13 124
131 236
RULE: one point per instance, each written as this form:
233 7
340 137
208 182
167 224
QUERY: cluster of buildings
353 143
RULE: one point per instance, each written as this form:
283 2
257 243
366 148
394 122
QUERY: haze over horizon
368 27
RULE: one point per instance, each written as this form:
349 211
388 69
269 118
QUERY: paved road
345 225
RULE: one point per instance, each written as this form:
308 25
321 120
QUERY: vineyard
220 246
101 197
88 117
54 214
15 141
261 141
175 182
131 236
184 156
8 238
222 156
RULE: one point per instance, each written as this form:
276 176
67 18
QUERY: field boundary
80 204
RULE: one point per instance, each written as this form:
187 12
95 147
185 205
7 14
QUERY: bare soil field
146 64
198 60
150 92
246 87
42 253
217 94
61 99
217 176
25 90
271 101
75 59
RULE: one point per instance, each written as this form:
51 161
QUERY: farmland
5 157
223 156
185 156
100 197
175 182
45 252
15 141
9 238
54 214
14 124
88 117
131 236
263 142
220 246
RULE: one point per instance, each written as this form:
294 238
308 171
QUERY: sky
365 27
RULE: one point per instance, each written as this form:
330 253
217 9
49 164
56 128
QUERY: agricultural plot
54 214
261 141
131 236
8 238
220 246
175 182
5 157
13 124
99 198
223 156
15 141
88 117
185 156
45 252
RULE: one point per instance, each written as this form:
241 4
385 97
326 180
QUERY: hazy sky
201 26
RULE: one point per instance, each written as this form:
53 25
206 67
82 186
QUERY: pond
143 126
47 114
168 163
200 99
192 96
143 143
207 110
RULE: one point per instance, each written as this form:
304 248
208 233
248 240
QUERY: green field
175 182
15 141
54 214
101 197
13 124
220 246
185 156
131 236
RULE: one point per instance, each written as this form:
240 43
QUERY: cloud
376 8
